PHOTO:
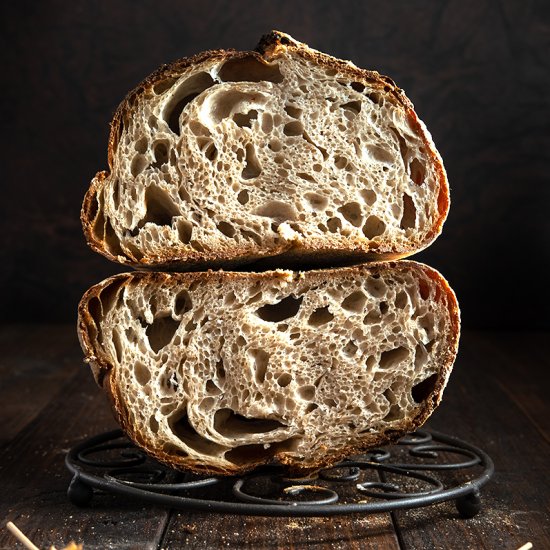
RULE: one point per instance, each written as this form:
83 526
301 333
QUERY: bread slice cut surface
221 371
229 157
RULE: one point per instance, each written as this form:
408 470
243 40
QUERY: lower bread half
219 372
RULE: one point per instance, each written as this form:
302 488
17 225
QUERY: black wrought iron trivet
423 468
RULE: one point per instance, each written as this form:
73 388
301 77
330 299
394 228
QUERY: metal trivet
383 480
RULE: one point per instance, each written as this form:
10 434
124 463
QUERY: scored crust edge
102 369
269 45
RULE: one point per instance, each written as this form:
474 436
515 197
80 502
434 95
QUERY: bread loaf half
220 372
228 157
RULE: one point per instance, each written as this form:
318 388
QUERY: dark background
478 72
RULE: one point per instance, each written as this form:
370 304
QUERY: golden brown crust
102 367
270 46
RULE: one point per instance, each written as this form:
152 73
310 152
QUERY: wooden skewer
526 546
12 528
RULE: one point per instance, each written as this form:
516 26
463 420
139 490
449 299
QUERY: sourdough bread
228 157
220 371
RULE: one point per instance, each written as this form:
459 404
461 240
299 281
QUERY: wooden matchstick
13 529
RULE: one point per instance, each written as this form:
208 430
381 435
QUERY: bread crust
269 48
103 369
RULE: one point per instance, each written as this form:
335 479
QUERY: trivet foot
468 505
79 493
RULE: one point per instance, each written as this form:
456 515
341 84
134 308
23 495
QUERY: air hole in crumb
373 227
372 318
186 92
160 150
401 300
340 162
379 153
243 197
211 388
141 145
117 345
321 316
306 177
322 150
164 85
275 145
420 356
357 86
350 348
391 358
141 373
182 429
294 128
260 359
153 424
161 332
252 236
424 389
307 393
227 229
394 413
160 207
245 120
311 407
267 123
252 168
293 111
408 219
424 289
375 287
182 303
417 171
352 213
185 231
207 148
355 302
369 196
284 380
317 202
277 210
199 129
241 341
220 370
376 97
334 225
230 424
230 299
275 313
250 69
183 194
138 165
353 106
255 298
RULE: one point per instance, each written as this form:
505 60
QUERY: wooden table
497 399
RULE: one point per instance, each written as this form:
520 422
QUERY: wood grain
516 504
495 399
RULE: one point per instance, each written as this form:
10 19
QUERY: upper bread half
229 157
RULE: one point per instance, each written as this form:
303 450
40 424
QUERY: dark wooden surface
496 399
478 72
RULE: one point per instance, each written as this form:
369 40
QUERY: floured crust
105 371
102 238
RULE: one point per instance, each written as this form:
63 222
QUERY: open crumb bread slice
222 371
227 157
